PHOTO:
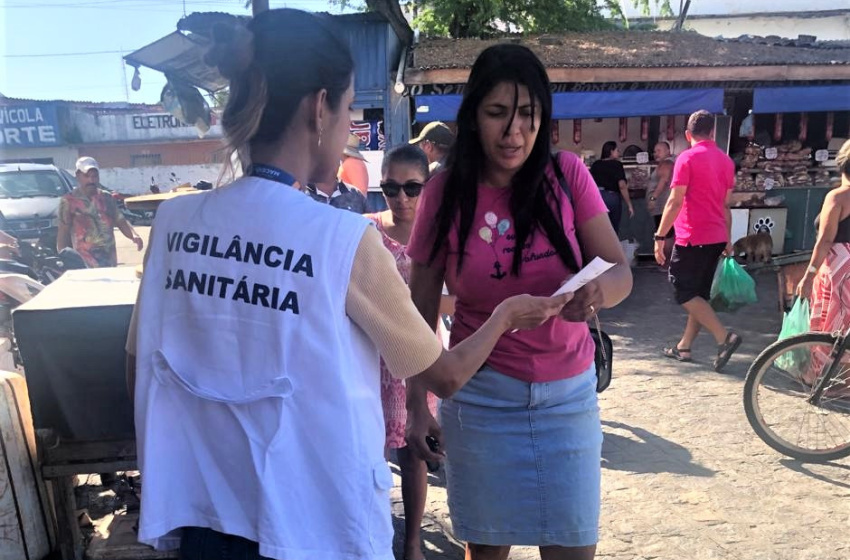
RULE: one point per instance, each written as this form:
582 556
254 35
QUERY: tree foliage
487 18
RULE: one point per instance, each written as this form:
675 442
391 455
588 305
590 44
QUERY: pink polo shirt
557 349
709 175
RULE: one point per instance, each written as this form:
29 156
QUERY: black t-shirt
608 173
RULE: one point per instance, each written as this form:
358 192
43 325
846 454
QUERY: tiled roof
634 49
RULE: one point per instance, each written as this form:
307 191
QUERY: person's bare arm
728 213
624 192
599 240
830 216
63 234
671 212
124 226
663 172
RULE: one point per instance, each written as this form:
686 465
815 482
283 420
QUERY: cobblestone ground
684 476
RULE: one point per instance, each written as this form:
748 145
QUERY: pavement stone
683 474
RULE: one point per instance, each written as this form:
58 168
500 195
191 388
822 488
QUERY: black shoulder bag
604 355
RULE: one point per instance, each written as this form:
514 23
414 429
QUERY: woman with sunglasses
403 174
260 322
522 438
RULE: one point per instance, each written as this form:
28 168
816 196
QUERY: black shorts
692 270
670 234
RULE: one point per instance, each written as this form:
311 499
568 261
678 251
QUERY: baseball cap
436 132
86 163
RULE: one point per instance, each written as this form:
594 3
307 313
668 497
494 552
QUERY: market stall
638 89
792 135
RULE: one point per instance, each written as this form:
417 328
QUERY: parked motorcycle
135 217
24 276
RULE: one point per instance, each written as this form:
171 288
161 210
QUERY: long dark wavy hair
531 191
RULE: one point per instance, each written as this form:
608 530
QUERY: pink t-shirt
709 175
555 350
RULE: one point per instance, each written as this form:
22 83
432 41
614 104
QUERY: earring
320 138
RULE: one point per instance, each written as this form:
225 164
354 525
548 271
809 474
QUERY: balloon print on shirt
490 234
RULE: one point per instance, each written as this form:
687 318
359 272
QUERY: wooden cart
789 270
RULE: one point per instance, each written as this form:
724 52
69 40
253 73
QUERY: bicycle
797 396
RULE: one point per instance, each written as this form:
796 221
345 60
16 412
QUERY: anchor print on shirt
490 234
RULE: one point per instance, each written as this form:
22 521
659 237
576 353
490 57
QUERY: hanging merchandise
136 83
555 137
748 127
830 123
804 127
577 131
777 128
644 128
671 128
186 104
624 129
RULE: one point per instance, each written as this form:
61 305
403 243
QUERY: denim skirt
523 460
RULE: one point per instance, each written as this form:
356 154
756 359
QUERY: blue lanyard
271 173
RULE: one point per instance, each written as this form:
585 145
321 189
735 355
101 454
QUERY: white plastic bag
630 247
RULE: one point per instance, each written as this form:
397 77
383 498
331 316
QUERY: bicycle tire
756 374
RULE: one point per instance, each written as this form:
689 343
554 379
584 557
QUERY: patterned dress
830 311
393 390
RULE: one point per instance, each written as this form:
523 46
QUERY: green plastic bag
796 322
732 287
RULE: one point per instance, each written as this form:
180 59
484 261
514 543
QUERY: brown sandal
725 350
675 353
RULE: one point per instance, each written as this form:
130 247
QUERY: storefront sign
157 121
370 133
457 89
28 125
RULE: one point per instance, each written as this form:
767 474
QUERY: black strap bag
604 355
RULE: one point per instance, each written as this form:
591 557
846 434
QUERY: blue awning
801 99
590 105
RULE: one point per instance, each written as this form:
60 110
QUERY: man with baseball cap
88 217
435 139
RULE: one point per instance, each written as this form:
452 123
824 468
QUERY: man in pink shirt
701 187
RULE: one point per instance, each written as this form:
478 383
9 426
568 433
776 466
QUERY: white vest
258 409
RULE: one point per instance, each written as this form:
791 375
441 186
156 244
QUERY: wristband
812 269
657 237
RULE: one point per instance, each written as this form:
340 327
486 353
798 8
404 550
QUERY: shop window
145 160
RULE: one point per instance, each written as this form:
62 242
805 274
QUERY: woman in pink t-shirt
522 439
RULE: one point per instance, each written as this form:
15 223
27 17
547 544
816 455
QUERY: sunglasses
411 188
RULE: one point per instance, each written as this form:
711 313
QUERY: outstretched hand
525 312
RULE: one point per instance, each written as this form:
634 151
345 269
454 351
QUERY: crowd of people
272 376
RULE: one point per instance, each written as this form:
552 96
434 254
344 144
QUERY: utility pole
258 6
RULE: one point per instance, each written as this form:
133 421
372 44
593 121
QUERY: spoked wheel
778 398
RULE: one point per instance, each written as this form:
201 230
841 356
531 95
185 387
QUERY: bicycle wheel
776 399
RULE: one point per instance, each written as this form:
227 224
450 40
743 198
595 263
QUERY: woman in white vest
260 320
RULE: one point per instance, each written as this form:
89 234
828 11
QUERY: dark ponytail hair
531 192
608 148
272 63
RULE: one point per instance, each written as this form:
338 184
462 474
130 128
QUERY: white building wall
63 156
826 28
137 180
97 128
736 7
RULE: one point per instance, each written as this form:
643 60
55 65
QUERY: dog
756 248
